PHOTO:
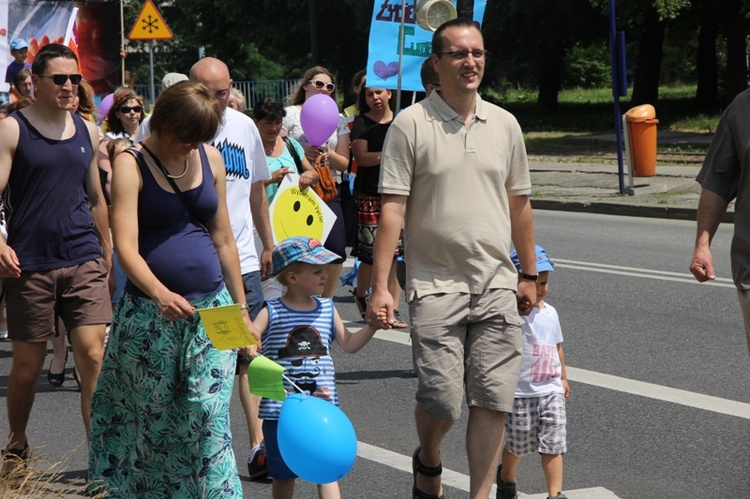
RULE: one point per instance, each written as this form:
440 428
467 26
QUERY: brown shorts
78 295
466 340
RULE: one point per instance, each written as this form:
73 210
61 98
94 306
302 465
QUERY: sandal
399 324
15 459
57 379
418 467
360 302
77 378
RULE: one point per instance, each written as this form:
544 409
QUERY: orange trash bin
642 123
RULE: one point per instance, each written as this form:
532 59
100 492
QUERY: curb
645 211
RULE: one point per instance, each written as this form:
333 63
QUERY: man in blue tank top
58 252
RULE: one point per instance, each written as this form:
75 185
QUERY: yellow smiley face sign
296 212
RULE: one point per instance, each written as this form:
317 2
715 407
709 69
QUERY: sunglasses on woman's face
127 109
320 85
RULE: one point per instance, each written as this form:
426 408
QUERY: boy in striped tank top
297 331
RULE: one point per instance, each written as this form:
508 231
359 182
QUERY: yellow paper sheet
225 327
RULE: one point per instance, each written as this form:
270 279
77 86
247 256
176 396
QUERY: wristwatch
243 306
529 277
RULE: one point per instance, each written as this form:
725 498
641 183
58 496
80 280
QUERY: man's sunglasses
320 85
127 109
60 80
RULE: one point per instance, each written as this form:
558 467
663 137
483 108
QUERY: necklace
161 166
177 176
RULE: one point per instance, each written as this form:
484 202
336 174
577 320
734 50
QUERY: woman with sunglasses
125 115
318 80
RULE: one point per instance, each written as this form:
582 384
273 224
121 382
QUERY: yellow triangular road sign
150 25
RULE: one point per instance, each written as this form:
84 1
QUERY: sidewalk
671 193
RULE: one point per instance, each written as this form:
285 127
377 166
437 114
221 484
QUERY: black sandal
77 378
17 459
399 324
360 302
57 379
418 467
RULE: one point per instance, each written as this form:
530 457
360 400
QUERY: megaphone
432 13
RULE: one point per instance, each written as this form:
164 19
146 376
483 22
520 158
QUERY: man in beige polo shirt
454 168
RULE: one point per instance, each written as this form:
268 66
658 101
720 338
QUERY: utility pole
465 9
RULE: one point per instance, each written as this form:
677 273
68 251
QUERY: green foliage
592 110
587 67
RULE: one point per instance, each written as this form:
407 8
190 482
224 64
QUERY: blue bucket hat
18 44
543 262
300 249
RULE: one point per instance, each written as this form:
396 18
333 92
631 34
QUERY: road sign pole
151 70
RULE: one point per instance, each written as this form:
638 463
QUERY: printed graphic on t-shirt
545 367
305 356
234 159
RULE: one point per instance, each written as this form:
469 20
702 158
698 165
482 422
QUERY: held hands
526 296
702 265
380 314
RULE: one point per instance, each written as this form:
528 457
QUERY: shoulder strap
173 184
293 152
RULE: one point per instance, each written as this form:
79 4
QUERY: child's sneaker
559 495
508 490
257 467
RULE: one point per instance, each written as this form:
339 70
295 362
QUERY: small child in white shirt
537 423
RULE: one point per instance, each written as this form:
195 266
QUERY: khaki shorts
78 295
471 341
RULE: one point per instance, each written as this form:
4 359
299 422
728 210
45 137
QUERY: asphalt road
659 371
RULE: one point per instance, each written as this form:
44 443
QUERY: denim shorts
277 468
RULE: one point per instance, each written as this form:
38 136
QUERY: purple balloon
319 118
104 106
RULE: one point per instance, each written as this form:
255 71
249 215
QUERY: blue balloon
316 439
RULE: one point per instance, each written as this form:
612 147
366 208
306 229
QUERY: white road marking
459 480
661 275
616 383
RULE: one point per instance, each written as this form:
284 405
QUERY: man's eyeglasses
127 109
60 80
320 85
461 55
222 94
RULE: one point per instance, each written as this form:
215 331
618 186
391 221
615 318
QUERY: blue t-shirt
13 69
301 342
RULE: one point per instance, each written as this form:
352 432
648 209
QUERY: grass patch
592 110
584 112
31 482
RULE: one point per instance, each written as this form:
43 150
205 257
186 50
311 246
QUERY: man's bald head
215 75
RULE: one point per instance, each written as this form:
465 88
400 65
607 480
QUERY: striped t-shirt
301 342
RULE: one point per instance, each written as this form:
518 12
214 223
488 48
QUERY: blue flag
382 60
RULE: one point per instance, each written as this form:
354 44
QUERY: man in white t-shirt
241 147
